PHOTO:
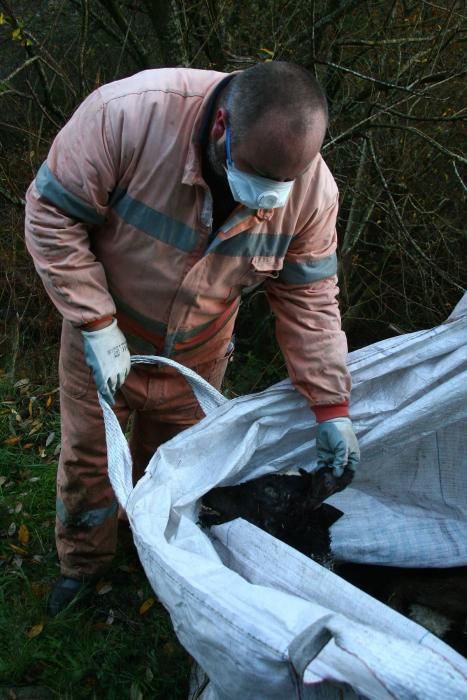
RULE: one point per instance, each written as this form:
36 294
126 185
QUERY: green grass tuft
100 647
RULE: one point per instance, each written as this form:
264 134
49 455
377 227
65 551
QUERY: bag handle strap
306 646
118 452
208 397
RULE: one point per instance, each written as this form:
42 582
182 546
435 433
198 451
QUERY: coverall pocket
261 269
266 267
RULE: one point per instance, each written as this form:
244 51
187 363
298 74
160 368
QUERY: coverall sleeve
308 323
67 200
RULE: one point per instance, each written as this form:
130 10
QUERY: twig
413 130
19 69
349 240
17 201
84 38
383 42
376 81
41 107
403 228
352 129
459 177
453 118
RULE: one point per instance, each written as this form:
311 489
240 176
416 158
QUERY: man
163 197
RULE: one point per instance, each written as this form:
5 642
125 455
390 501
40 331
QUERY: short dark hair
275 86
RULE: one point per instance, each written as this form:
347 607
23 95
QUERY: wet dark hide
289 507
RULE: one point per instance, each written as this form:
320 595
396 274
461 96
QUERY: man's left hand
337 445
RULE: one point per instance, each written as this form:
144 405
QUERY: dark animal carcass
289 507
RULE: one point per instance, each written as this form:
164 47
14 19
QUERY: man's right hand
106 353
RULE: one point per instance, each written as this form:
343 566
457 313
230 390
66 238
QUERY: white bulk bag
263 620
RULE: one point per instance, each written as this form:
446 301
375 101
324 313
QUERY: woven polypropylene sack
262 620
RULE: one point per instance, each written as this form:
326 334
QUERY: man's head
276 116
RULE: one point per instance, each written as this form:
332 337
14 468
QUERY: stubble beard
216 158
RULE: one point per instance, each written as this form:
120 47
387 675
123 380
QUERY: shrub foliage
392 74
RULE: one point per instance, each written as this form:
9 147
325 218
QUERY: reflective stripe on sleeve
153 222
51 189
87 518
311 271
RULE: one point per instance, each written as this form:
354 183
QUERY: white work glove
337 445
106 353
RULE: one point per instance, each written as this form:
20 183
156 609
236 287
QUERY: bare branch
402 226
412 117
381 83
413 130
459 177
383 42
19 69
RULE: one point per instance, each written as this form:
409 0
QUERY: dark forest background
394 73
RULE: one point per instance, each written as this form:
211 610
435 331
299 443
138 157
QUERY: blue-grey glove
337 445
106 353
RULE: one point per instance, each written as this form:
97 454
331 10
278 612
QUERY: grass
117 642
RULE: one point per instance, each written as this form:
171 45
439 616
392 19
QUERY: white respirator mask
254 191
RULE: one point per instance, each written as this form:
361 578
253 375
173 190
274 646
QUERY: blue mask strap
227 146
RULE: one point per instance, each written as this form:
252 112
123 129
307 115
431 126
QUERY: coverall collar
193 173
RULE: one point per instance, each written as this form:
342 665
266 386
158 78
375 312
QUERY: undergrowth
117 642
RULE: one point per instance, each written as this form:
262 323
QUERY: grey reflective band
159 328
51 189
253 245
153 222
311 271
156 327
85 519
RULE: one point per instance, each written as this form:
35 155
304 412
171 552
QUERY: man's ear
219 124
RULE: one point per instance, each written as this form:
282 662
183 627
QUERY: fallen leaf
48 403
39 589
20 383
17 549
27 446
147 605
35 631
18 507
57 449
169 649
18 561
11 529
3 480
23 535
50 439
12 440
110 617
100 626
103 587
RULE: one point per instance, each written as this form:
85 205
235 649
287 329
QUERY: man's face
271 149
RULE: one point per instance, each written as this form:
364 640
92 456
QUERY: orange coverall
119 223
